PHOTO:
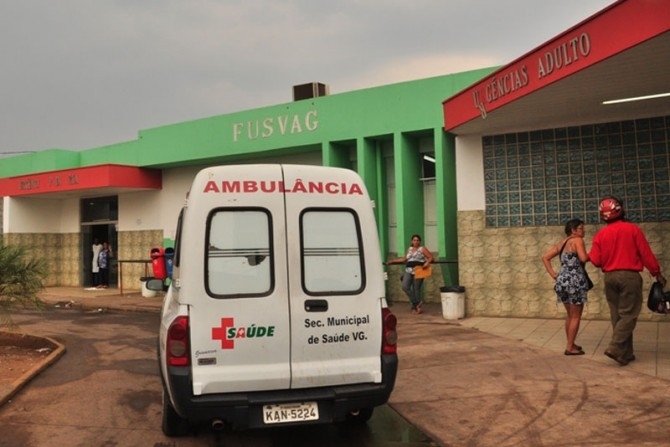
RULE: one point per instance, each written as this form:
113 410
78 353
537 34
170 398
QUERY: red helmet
610 209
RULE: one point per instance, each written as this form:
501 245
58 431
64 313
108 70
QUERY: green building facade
391 135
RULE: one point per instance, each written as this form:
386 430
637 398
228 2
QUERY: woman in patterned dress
571 284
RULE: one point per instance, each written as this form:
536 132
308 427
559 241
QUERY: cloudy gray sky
79 74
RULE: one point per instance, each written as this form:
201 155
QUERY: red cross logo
219 333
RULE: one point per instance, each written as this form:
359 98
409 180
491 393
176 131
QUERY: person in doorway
416 255
622 251
571 281
95 269
103 264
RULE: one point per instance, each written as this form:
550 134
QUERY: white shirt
96 251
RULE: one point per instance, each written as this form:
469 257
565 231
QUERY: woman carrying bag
417 264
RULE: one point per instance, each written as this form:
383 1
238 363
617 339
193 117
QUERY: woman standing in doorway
417 255
103 264
571 281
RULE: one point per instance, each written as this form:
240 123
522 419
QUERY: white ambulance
276 313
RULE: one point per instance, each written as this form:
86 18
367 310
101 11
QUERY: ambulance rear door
239 312
335 278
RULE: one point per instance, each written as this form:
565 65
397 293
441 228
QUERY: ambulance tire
361 416
172 424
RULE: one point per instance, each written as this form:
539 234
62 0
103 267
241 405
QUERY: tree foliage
21 279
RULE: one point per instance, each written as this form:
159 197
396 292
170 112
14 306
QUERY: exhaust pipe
218 425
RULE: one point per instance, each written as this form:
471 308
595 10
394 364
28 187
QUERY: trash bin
453 302
158 263
169 258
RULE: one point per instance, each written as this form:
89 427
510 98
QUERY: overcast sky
79 74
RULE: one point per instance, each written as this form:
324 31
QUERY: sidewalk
652 339
502 381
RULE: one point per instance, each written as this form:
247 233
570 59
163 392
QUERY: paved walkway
652 339
502 381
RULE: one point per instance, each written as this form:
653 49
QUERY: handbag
589 283
421 273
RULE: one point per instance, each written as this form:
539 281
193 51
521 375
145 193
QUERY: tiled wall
63 253
534 183
547 177
502 270
137 245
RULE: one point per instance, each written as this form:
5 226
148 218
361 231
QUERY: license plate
283 413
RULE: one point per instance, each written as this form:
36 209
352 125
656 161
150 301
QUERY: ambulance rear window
331 252
238 261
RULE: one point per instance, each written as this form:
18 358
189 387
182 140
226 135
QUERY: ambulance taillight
389 335
177 346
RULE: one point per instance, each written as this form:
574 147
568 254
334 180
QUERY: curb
61 302
18 384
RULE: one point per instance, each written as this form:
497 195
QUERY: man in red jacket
622 251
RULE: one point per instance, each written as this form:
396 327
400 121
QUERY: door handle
316 305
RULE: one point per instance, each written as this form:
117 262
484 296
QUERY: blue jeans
412 287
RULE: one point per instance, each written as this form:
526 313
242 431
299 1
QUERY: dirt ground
19 354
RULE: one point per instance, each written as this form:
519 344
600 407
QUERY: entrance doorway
99 221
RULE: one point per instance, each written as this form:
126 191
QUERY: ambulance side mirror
155 284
